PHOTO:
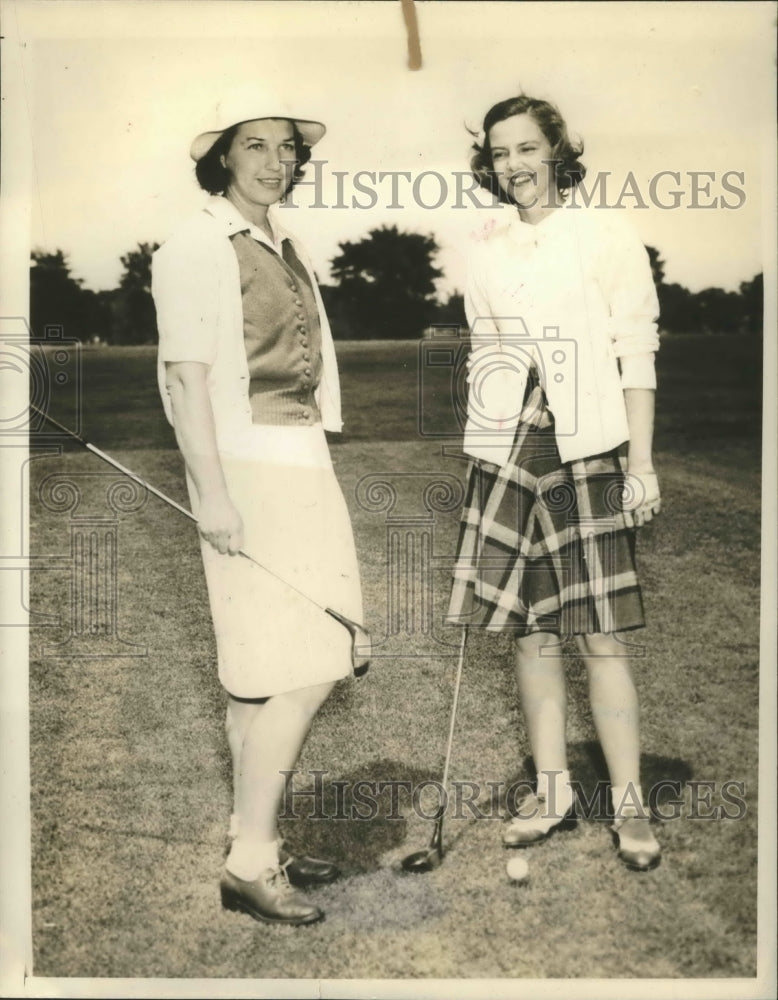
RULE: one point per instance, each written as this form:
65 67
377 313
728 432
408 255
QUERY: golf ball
517 869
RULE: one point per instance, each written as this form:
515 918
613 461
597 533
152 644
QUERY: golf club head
361 643
431 857
421 862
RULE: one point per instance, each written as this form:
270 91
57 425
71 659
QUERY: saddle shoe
638 848
533 823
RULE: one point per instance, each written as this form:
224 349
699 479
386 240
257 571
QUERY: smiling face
519 150
260 162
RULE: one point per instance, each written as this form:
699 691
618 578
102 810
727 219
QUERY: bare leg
266 740
239 717
543 693
615 711
614 703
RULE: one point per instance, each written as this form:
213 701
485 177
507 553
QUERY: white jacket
574 296
196 290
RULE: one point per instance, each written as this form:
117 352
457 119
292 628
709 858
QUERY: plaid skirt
544 546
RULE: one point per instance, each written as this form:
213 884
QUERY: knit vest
281 333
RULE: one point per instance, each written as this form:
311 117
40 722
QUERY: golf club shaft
457 684
424 861
342 619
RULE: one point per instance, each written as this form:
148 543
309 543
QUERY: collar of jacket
228 216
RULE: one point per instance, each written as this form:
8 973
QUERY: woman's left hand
641 496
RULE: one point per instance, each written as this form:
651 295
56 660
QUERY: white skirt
269 638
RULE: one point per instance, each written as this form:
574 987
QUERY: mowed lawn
130 769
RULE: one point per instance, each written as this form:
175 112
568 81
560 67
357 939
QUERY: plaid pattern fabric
545 546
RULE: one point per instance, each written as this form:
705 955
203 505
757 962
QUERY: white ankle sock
628 801
247 857
234 826
555 788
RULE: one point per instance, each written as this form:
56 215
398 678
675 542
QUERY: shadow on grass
357 817
663 780
353 818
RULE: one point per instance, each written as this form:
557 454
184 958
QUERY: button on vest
282 334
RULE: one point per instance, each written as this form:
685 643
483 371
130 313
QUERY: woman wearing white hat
249 381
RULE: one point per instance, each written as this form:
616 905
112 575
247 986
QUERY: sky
116 91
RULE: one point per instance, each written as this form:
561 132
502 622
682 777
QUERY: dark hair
568 169
214 178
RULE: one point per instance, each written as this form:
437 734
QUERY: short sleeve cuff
638 372
172 350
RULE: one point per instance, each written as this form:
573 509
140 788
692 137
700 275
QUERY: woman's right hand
220 524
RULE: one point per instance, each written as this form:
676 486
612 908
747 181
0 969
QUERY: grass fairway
130 771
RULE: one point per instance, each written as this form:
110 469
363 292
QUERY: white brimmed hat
248 105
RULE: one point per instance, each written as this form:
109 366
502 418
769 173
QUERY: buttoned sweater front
281 331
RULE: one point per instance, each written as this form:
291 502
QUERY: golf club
360 637
424 861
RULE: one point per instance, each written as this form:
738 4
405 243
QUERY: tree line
383 288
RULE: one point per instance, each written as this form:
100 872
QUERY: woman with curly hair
562 311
